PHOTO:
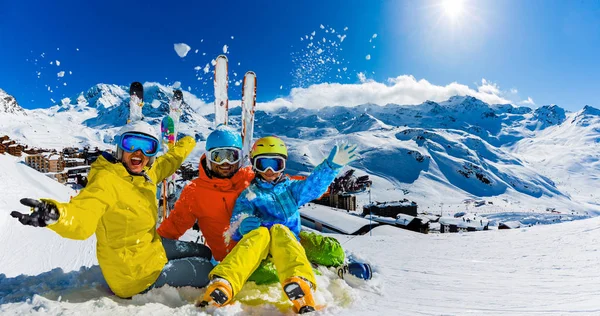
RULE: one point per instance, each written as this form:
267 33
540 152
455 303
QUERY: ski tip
222 56
136 88
177 94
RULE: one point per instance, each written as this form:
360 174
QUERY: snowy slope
539 270
568 153
546 270
41 250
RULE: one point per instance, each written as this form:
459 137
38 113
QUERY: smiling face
224 170
135 161
269 175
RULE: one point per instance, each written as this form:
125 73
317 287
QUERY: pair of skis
168 135
248 102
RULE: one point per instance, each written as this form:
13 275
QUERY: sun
453 8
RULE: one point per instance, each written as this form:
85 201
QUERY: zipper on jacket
285 213
225 202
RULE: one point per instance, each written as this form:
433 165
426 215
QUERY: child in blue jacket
266 220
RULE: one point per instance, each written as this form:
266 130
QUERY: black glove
44 213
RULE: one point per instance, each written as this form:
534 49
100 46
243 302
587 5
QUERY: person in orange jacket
210 198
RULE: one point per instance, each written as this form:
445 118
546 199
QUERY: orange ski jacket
210 201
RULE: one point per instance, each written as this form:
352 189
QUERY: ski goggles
132 142
264 163
222 155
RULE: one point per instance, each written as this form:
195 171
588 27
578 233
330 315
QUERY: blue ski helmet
224 136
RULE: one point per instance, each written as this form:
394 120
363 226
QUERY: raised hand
44 213
343 154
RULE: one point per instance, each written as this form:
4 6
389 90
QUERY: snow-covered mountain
8 104
518 158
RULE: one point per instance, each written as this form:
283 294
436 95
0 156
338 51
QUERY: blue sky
539 49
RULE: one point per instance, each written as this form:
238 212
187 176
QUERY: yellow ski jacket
122 210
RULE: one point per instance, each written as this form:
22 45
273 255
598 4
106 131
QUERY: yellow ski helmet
269 145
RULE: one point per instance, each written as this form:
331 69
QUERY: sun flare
453 8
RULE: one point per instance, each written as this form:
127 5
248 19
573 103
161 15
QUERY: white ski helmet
136 127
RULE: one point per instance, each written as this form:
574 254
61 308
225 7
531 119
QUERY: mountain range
439 154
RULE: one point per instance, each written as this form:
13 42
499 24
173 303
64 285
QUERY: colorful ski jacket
122 210
278 203
210 201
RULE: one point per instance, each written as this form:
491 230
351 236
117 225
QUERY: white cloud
488 87
182 49
405 90
529 101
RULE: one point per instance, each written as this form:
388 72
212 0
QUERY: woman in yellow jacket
119 205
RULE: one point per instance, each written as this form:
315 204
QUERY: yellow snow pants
288 255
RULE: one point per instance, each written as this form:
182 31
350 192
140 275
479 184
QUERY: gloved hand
249 224
342 155
44 213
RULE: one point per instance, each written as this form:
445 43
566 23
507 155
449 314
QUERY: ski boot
218 293
299 291
357 269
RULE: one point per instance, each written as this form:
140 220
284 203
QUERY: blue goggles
264 163
132 142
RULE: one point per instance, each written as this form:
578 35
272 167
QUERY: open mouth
225 168
136 161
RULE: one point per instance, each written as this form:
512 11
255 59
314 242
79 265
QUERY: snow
339 220
225 49
539 270
60 74
181 49
368 57
540 168
57 63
